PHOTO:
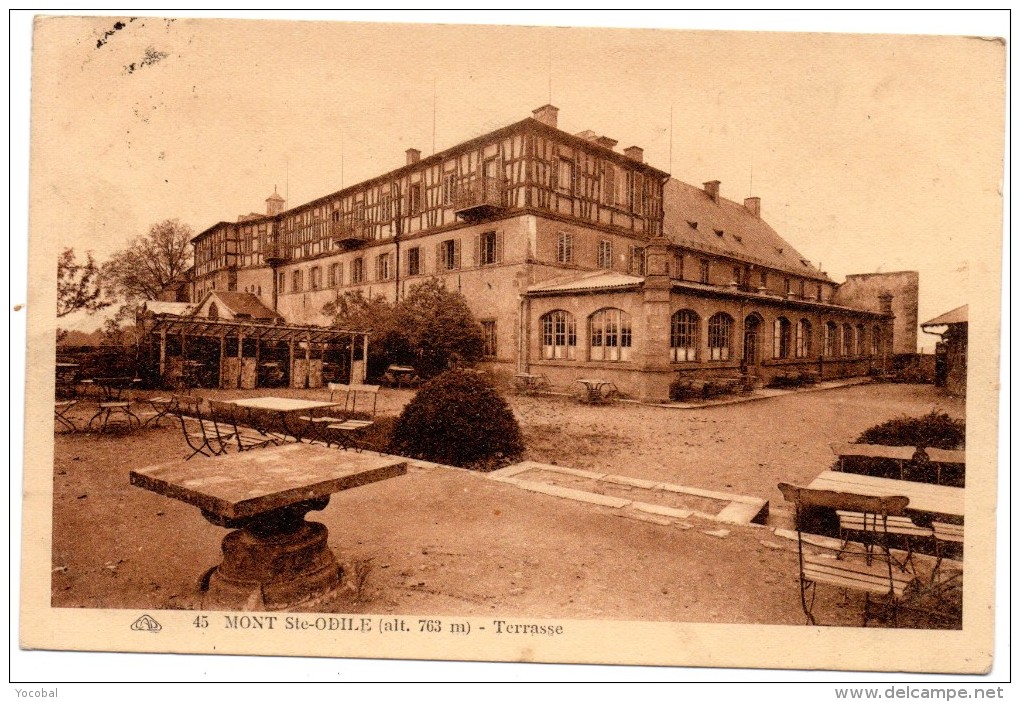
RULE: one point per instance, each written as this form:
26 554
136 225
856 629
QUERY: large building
574 257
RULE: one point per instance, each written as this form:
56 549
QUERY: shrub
933 430
459 419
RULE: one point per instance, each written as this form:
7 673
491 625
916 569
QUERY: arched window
781 338
831 331
803 338
876 340
848 340
859 339
683 336
214 311
610 335
559 335
720 336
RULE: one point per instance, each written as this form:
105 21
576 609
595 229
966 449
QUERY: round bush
933 430
459 419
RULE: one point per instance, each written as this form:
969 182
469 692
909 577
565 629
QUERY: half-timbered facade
536 226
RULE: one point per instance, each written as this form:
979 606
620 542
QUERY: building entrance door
752 340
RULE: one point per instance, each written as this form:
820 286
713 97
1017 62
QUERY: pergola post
291 372
364 357
223 356
240 357
162 354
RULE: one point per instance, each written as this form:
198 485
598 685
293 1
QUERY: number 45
201 622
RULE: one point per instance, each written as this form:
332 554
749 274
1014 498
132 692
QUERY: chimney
885 302
413 156
753 205
712 190
607 142
635 153
546 114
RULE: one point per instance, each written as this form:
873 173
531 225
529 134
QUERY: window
876 341
336 275
283 281
449 188
802 290
315 279
683 336
764 279
297 281
610 335
489 338
782 331
720 336
637 260
565 176
565 248
830 339
358 271
608 184
859 339
487 247
559 335
848 340
214 311
786 287
678 265
383 269
414 261
605 254
705 271
803 338
818 293
738 275
448 255
414 195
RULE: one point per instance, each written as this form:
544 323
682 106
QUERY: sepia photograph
454 341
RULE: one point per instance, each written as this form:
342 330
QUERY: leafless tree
152 264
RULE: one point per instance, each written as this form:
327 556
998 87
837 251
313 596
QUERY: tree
440 329
78 286
432 328
152 264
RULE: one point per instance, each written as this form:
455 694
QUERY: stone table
275 559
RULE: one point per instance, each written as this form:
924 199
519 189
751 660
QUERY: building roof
728 228
600 280
161 307
241 304
957 316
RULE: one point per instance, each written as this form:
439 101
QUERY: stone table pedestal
274 559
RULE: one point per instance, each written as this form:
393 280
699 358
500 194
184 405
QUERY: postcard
513 343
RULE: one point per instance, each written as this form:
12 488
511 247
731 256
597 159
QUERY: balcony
478 198
349 234
276 253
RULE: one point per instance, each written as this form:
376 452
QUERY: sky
870 153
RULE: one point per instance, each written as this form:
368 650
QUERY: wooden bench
865 570
902 456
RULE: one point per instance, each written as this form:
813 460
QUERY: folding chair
61 409
203 436
867 570
163 406
224 415
948 539
869 528
347 433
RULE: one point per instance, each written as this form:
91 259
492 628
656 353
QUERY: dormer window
718 232
692 225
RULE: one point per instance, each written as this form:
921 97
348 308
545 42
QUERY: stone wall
862 291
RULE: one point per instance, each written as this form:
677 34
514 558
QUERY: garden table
598 389
286 408
274 559
930 500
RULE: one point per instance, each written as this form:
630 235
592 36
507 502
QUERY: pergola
298 338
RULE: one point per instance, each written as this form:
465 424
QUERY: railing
347 231
478 192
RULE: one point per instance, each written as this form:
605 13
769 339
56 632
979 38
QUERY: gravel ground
453 542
